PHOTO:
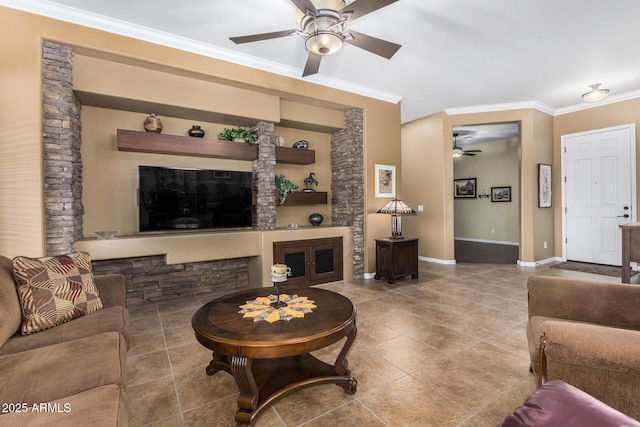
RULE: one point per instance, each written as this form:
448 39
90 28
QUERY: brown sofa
71 374
587 334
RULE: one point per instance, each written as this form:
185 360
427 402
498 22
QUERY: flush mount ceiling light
595 94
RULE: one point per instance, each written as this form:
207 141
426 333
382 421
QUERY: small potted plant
243 134
284 187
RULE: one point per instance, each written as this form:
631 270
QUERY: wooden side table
630 248
396 257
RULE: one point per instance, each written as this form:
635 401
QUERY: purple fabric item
558 404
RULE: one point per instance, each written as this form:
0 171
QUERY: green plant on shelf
245 134
284 187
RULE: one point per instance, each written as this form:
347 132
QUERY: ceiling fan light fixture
457 152
595 94
324 42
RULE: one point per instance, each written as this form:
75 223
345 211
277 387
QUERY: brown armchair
587 334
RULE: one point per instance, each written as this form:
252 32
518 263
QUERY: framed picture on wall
500 194
385 181
544 185
464 188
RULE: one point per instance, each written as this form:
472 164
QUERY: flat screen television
177 199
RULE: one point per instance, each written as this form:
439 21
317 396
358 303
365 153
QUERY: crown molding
127 29
535 105
608 100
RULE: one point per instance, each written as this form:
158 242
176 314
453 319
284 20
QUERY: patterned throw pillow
54 290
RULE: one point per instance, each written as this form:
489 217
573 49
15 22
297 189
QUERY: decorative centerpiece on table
280 306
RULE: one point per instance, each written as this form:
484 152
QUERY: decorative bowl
109 234
302 145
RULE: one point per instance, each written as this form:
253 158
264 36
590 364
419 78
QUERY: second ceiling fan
459 152
324 24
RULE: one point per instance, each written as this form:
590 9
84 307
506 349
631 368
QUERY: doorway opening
487 193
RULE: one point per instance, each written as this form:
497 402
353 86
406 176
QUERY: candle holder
279 274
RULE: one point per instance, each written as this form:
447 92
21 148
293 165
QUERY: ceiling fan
324 24
459 152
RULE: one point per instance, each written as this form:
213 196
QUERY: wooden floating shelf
295 156
146 142
157 143
301 198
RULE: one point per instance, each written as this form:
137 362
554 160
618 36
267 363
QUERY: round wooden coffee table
273 360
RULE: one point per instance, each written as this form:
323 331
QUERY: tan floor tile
409 403
310 403
406 354
145 325
152 401
218 413
188 303
196 388
146 343
353 414
189 356
179 335
142 310
147 367
179 318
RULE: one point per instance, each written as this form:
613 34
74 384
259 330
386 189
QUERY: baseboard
539 263
437 260
495 242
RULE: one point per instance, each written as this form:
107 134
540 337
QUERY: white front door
598 193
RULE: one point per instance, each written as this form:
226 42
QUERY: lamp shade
396 207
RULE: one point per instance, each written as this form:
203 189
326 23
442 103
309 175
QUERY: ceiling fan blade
313 64
384 48
359 8
473 151
303 5
264 36
466 153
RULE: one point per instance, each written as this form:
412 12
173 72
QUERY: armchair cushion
54 290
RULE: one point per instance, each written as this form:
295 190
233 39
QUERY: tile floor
447 349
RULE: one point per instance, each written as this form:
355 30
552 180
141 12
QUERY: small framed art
544 185
500 194
464 188
385 181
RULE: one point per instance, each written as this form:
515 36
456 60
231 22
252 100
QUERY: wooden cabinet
312 261
396 257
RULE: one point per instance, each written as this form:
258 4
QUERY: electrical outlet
493 231
420 208
545 245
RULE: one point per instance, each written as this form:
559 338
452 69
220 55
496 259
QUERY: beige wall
21 210
480 218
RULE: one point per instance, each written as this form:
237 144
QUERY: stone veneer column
264 170
347 183
61 154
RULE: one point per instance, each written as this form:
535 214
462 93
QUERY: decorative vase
152 124
315 219
196 132
302 144
280 141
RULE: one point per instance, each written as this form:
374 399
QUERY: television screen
174 199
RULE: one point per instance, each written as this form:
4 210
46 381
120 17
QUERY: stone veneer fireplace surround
149 278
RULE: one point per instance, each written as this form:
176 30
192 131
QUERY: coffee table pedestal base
263 381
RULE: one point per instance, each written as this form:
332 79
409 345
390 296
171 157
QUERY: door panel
599 188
